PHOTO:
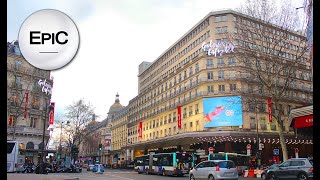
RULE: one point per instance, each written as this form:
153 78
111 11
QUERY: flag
270 109
179 117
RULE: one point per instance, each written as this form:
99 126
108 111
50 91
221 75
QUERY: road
108 174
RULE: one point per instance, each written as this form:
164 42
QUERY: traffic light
100 147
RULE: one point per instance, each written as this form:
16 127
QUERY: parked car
265 171
294 168
97 167
214 169
90 167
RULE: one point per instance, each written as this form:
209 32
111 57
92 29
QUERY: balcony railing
27 130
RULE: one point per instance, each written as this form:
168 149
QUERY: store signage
218 48
303 121
276 152
211 149
270 109
46 87
179 117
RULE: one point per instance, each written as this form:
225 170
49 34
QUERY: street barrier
245 174
258 173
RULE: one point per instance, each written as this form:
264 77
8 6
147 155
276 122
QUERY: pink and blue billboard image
222 111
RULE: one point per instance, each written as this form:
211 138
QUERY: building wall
181 77
22 77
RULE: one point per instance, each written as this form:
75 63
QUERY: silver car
214 169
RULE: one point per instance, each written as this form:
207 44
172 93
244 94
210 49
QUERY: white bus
12 156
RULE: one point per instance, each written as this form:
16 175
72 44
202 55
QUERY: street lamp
47 111
60 147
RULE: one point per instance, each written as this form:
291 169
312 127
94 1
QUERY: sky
115 37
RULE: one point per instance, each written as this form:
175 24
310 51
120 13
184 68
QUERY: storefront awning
303 117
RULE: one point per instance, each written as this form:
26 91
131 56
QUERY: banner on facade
270 109
179 117
26 105
51 114
11 120
140 129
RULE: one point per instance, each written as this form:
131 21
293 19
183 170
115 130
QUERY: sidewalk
14 176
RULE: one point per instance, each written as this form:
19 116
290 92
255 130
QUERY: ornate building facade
29 94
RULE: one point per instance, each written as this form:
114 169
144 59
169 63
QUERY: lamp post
41 167
60 146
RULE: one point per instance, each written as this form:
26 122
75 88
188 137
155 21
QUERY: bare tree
79 115
272 53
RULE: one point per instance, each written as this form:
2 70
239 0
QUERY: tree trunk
283 143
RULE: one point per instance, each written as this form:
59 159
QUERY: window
210 75
174 116
217 19
263 123
184 112
231 60
221 74
252 123
197 67
190 71
165 120
191 124
18 65
261 107
221 88
185 75
190 111
233 87
197 109
210 89
220 61
169 121
251 107
209 63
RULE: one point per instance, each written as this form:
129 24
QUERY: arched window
30 145
40 145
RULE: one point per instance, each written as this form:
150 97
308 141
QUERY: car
214 169
265 171
294 168
90 167
97 168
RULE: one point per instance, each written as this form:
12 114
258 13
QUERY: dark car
295 168
264 173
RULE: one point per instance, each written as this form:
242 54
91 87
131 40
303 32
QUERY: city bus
175 163
12 156
240 160
141 163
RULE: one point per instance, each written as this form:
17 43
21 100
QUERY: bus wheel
139 171
163 172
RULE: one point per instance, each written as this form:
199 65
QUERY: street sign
249 147
296 150
275 151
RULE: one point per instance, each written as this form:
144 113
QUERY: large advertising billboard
222 111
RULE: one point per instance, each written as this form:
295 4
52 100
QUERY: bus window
10 147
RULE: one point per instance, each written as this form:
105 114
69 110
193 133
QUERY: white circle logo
48 39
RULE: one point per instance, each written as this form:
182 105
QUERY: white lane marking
121 177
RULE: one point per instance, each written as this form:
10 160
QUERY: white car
214 169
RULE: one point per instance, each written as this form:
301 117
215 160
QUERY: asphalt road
108 174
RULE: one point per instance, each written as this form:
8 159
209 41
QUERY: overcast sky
116 36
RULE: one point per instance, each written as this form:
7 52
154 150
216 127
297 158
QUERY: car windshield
273 166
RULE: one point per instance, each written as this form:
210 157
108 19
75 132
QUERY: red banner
270 109
303 121
140 129
51 114
179 117
11 120
26 105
